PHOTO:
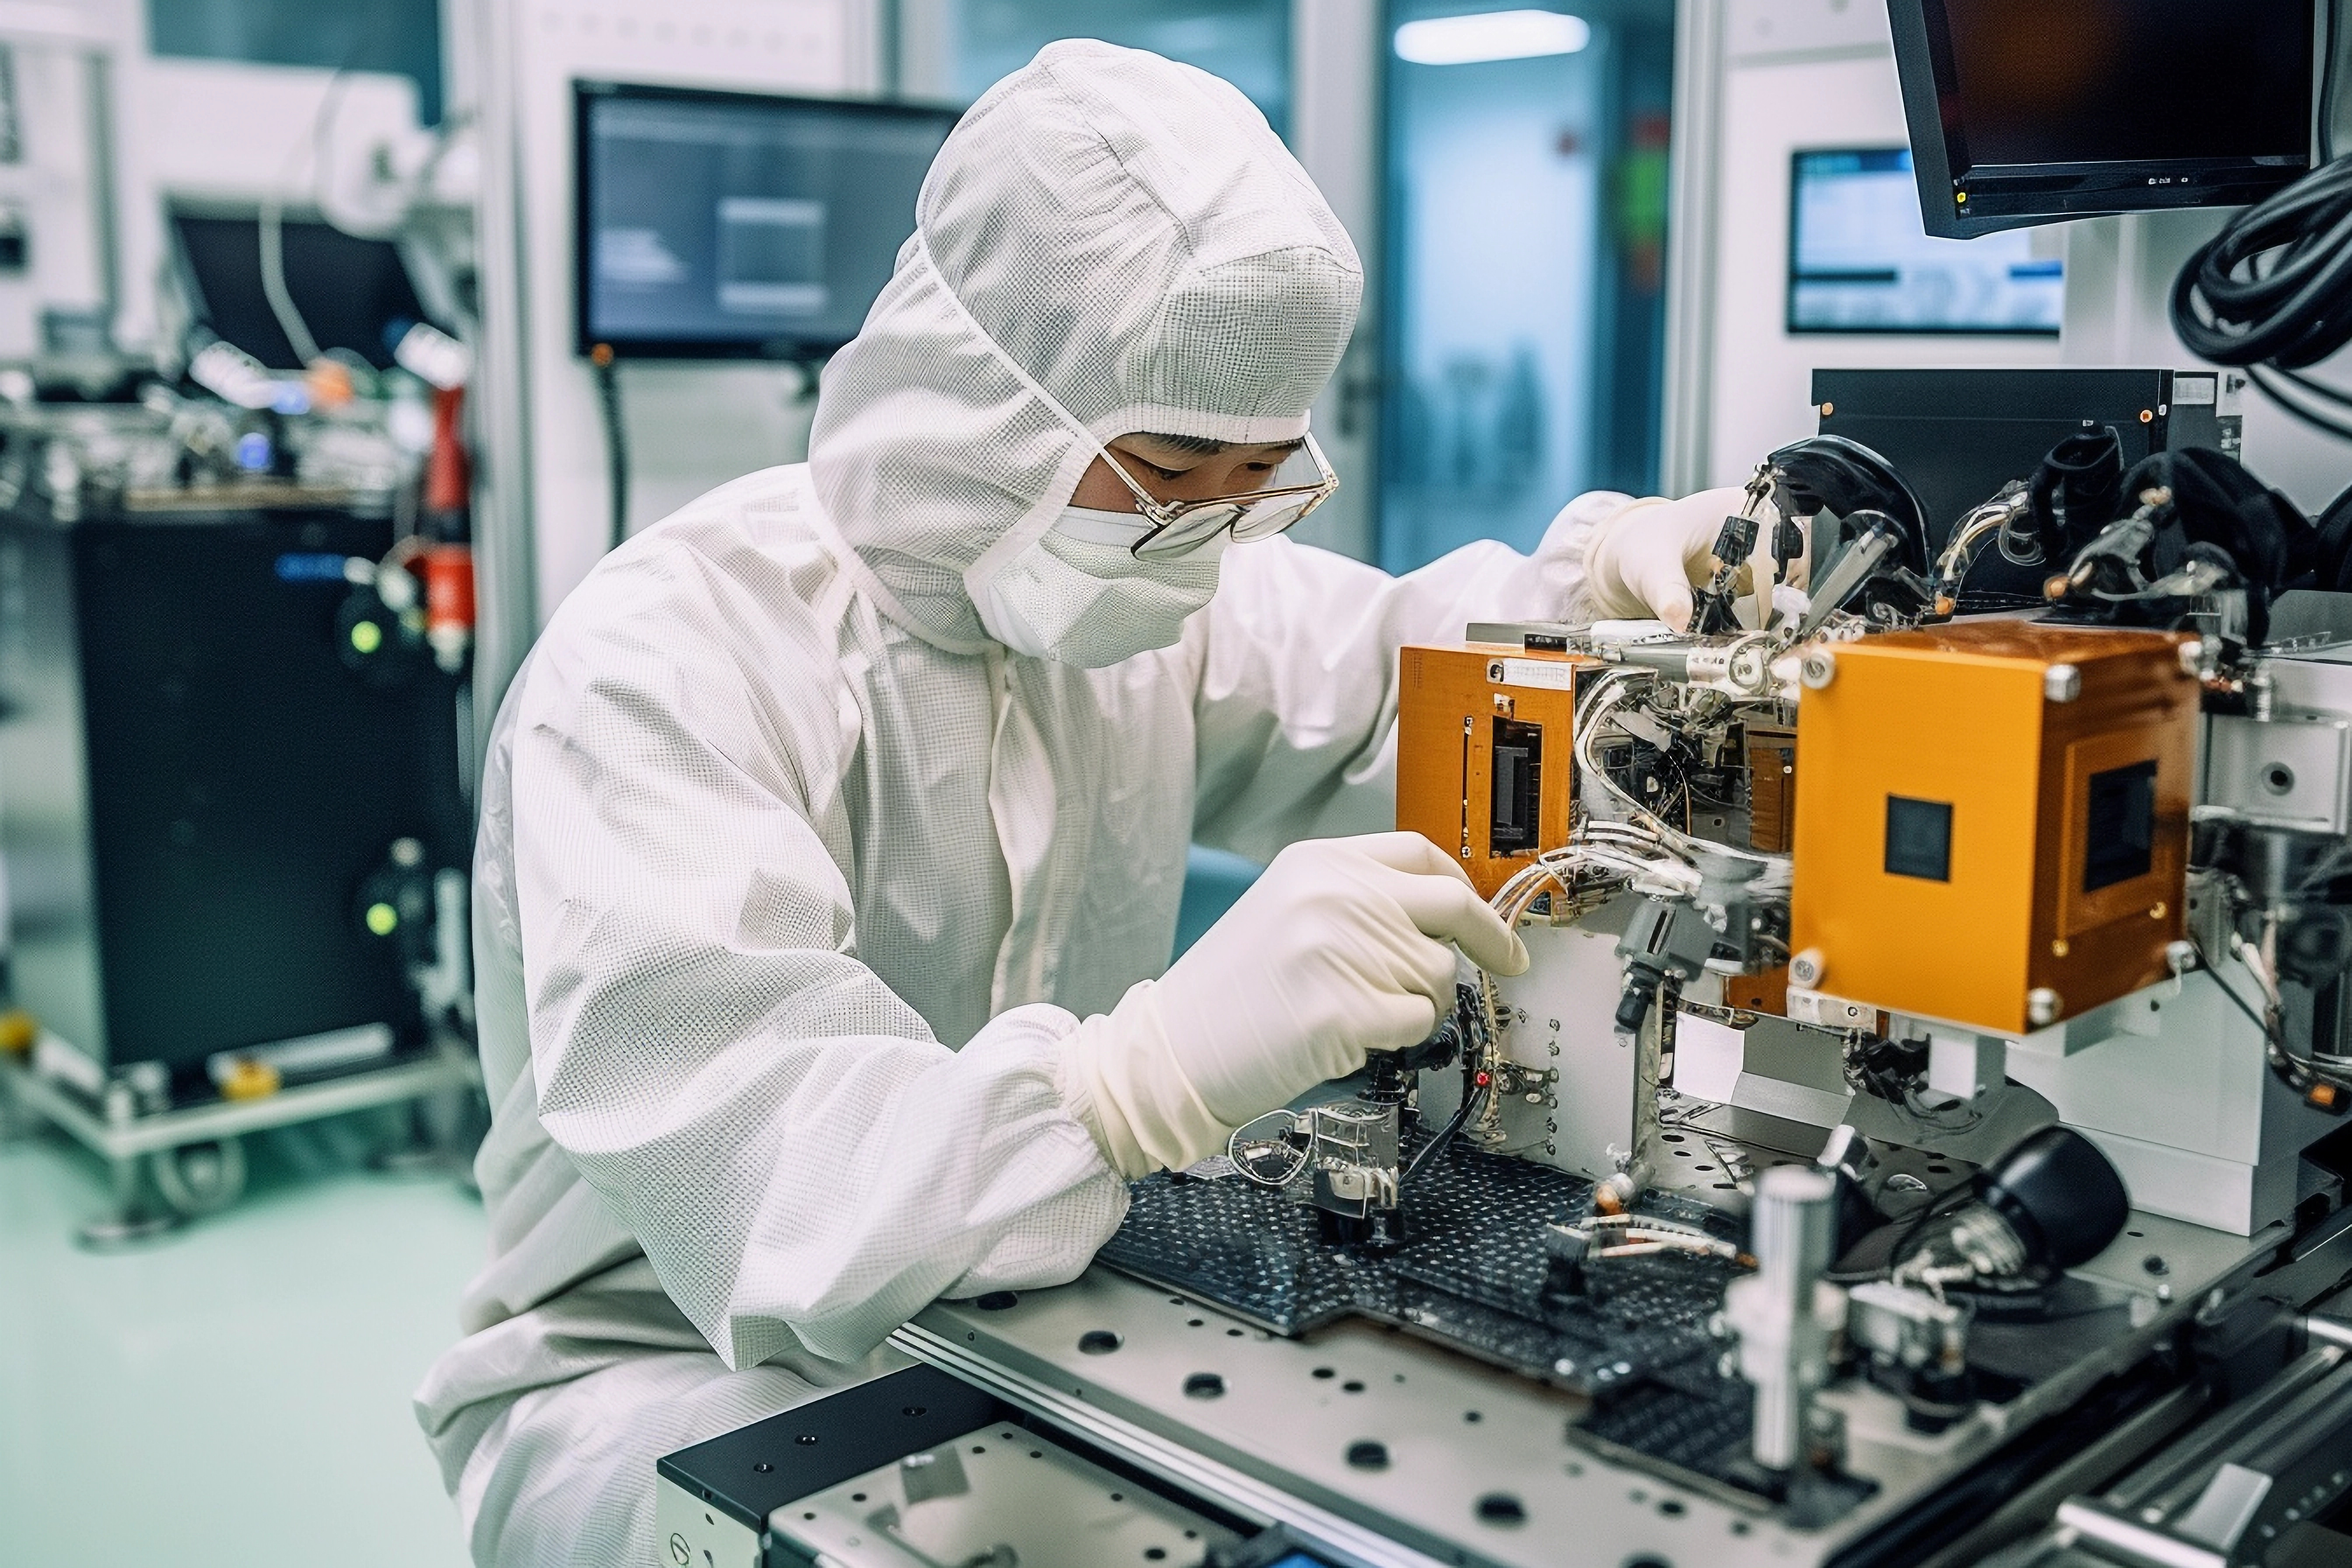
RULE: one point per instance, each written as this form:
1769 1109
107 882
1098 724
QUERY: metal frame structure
133 1143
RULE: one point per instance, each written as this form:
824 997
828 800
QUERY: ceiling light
1491 35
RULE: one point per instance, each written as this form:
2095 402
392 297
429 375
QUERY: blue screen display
1860 259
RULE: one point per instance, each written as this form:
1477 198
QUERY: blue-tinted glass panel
1526 282
1247 42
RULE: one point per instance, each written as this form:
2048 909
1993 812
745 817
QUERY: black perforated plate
1472 1275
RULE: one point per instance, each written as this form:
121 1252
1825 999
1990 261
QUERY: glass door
1524 333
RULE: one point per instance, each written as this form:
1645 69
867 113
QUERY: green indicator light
382 919
367 637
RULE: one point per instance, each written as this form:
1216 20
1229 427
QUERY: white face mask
1076 594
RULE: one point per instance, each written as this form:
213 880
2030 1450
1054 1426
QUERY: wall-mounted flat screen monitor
715 225
2031 111
1861 261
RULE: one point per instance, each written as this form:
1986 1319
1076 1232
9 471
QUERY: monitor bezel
1923 64
588 91
1797 157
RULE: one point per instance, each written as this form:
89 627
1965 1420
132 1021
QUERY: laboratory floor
236 1393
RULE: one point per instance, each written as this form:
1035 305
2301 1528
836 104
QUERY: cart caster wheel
118 1233
136 1217
199 1179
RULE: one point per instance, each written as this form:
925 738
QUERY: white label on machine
2196 391
1550 674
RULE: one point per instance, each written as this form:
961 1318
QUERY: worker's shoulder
751 553
738 583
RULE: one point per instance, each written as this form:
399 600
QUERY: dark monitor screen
348 290
728 224
2027 112
2103 81
1861 261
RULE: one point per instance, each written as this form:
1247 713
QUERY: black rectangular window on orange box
2119 841
1518 772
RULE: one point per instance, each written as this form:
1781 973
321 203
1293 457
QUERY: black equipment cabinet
195 783
1957 435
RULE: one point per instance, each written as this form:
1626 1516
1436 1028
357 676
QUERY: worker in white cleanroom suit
834 833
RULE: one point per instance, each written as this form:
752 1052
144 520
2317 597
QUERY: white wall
692 427
229 130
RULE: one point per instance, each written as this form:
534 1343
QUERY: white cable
271 228
272 235
1605 701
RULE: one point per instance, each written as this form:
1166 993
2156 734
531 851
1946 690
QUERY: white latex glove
1647 559
1343 947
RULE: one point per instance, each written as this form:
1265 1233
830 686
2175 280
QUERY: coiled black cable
2272 292
2275 286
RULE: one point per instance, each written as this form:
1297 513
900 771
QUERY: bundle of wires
2319 1079
2272 292
1647 1236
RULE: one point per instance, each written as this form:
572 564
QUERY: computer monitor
348 289
1860 261
2032 111
722 224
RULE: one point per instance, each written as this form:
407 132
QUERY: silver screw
2042 1007
2061 683
2192 657
1818 668
1808 967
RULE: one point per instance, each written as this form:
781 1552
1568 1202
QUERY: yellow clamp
19 1030
248 1078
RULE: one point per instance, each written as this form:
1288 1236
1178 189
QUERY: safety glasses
1180 527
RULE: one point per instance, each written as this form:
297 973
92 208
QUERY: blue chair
1214 879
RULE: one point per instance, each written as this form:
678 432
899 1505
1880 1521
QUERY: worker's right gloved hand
1648 560
1344 946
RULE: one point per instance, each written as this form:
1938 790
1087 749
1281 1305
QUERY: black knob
2064 1198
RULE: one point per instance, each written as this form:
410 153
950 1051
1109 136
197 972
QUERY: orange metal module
1485 736
1994 824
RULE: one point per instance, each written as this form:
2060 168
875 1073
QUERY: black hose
616 440
1474 1095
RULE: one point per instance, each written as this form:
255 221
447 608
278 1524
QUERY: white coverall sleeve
1296 706
802 1161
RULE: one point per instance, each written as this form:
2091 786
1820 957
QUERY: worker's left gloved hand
1344 946
1647 560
